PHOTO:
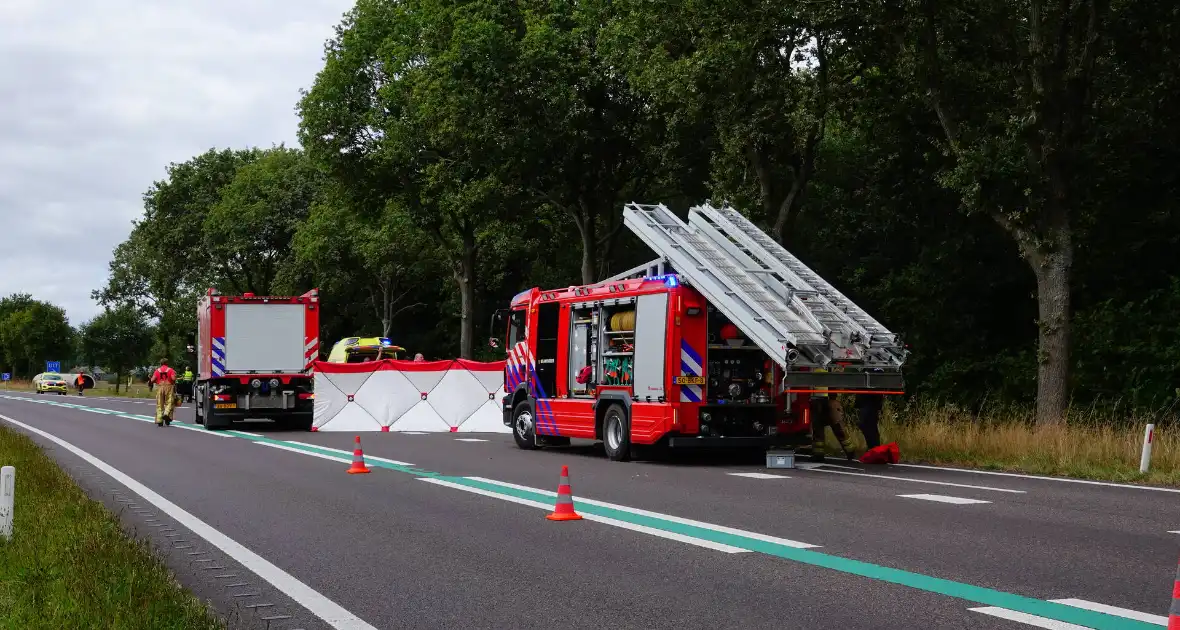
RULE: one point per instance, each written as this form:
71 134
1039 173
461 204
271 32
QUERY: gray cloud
96 98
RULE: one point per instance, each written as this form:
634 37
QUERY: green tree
119 339
388 116
34 332
1010 85
250 227
382 251
762 78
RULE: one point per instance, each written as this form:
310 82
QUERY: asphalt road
450 532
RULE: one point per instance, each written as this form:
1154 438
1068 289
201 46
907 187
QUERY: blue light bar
669 279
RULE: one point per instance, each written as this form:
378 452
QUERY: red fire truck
719 342
255 356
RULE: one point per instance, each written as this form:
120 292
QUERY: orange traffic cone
358 459
564 509
1174 612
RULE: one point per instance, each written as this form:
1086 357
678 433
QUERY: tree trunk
466 280
1052 272
118 381
584 219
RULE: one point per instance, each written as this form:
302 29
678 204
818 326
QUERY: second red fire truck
719 342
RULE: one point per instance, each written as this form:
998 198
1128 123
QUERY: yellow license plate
689 380
225 406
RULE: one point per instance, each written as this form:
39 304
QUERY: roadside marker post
1145 457
7 496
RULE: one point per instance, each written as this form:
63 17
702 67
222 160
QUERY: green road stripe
959 590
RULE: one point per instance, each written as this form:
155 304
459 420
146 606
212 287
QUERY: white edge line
1042 478
757 475
700 542
942 498
247 433
929 481
1158 620
1025 618
667 517
349 453
331 612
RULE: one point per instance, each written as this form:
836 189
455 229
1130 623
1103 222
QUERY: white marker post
7 493
1145 458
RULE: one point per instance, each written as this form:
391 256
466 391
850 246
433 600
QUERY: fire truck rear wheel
616 433
524 427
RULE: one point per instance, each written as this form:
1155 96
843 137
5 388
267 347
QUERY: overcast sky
97 97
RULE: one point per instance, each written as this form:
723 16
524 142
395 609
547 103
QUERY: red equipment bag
884 454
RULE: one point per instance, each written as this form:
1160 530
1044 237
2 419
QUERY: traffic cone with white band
564 509
358 459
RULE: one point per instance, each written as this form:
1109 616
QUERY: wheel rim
614 432
524 423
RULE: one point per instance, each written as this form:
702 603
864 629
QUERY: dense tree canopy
994 179
31 333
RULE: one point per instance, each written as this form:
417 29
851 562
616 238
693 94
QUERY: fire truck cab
719 355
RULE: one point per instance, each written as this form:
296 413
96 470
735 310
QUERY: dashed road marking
340 450
662 533
469 440
757 475
816 468
1158 620
1025 618
942 498
1041 478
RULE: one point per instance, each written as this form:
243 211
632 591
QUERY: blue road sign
53 366
5 377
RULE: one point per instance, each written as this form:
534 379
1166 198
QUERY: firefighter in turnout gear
826 412
164 379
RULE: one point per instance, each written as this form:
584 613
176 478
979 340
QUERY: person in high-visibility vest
826 412
164 378
184 385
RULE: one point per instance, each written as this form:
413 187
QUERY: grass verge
1092 444
137 390
71 565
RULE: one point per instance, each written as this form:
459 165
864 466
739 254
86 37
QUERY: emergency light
670 280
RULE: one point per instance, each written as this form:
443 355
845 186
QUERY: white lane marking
942 498
469 440
248 433
1042 478
927 481
1158 620
303 452
699 542
1175 532
331 612
412 432
1025 618
349 453
757 475
667 517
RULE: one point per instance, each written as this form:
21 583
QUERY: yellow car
50 382
361 349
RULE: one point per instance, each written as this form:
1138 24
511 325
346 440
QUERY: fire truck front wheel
524 428
616 433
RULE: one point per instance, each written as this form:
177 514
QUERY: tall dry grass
1093 443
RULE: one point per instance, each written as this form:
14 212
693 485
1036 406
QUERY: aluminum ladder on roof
766 310
852 328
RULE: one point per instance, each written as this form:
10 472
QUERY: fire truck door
651 343
548 316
